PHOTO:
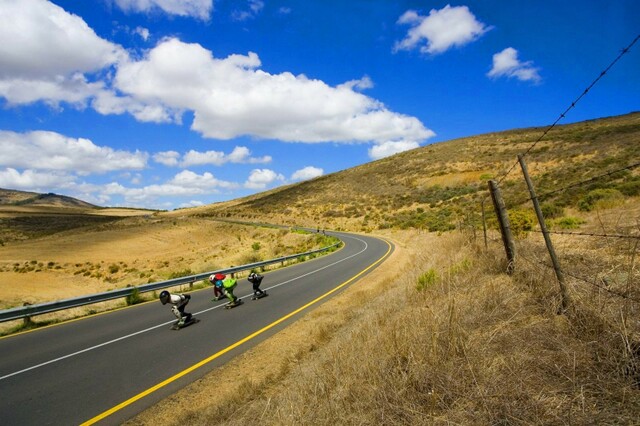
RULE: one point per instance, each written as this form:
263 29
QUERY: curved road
107 368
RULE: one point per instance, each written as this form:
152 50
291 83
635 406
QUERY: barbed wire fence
596 261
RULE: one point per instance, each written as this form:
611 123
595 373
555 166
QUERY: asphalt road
107 368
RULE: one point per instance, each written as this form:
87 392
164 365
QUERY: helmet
164 297
212 278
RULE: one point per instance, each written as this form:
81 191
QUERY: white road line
169 322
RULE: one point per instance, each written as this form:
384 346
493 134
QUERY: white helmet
212 278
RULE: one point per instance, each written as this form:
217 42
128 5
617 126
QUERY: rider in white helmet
179 301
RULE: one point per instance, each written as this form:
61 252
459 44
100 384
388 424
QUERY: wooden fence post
547 239
505 227
484 226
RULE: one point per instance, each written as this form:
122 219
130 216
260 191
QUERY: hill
19 198
440 334
437 186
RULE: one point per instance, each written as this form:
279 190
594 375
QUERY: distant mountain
9 197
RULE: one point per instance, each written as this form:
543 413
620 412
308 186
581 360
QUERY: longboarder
256 279
178 302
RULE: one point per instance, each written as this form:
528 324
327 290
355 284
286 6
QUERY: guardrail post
27 319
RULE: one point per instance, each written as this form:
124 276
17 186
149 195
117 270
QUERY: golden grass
133 251
475 347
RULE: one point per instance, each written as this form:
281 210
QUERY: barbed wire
590 282
587 234
573 104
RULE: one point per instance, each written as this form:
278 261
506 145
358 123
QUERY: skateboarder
228 284
179 302
216 281
255 279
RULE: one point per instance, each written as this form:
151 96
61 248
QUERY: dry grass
131 251
473 346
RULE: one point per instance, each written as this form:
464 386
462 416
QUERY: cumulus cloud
506 64
42 150
49 53
184 184
33 180
200 9
441 30
260 178
239 155
307 173
389 148
232 97
55 57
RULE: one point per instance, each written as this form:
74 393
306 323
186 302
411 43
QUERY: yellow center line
227 349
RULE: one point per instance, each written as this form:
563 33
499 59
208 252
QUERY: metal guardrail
44 308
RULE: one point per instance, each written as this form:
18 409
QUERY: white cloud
49 53
43 150
33 180
255 7
307 173
200 9
506 64
231 97
184 184
142 32
239 155
260 178
389 148
441 30
168 158
205 181
55 57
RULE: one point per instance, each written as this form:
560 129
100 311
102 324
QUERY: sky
166 104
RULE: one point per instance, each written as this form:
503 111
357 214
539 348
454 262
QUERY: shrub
179 274
134 297
255 246
630 189
569 222
551 210
600 198
113 268
427 279
522 221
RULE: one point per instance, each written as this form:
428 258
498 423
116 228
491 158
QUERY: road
107 368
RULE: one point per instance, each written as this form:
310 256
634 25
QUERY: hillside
440 334
20 198
437 186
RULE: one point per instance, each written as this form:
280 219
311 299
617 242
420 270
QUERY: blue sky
167 104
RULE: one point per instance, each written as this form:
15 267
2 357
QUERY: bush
134 297
427 279
522 221
551 210
630 189
600 198
569 222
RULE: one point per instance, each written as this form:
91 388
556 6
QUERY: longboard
230 306
175 325
265 294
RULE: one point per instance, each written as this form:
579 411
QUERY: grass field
440 334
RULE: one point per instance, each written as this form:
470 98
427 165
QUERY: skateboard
175 325
229 305
265 294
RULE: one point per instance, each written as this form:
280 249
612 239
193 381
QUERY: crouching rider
179 302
